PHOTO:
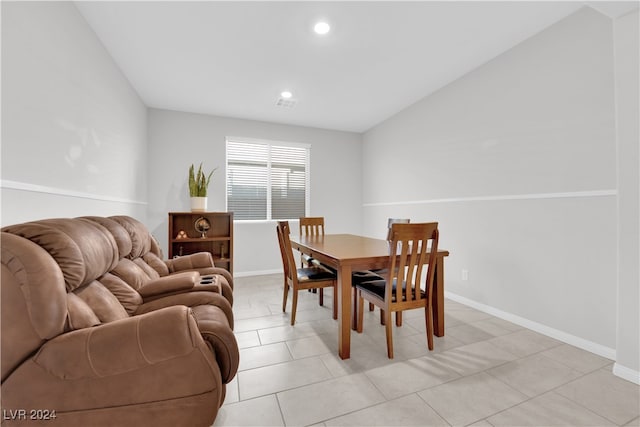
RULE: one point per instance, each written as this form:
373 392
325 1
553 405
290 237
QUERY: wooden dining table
347 253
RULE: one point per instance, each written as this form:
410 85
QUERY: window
267 180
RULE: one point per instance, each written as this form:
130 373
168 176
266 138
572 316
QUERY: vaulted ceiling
234 59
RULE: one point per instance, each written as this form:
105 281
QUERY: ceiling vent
286 103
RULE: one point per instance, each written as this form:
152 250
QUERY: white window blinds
266 180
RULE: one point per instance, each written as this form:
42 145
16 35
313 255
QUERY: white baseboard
256 273
626 373
573 340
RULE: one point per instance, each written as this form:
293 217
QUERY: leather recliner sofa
142 267
82 344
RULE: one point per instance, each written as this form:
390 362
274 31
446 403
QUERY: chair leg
370 307
321 296
429 315
335 302
382 319
389 328
360 312
284 297
294 306
398 318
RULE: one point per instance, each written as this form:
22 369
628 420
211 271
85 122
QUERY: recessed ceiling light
321 28
286 94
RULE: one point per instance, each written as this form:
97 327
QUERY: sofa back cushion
33 300
104 304
80 314
156 262
126 295
130 273
120 235
83 249
140 237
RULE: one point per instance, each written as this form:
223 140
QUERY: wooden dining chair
413 246
311 226
384 271
298 279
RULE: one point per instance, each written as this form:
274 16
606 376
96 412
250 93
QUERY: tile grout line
552 390
581 374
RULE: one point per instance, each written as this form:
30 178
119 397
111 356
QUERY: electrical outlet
465 274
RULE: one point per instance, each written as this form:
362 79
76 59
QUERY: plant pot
198 204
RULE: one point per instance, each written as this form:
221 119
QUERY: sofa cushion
80 314
84 250
131 273
128 297
103 303
33 299
119 233
156 263
148 270
140 238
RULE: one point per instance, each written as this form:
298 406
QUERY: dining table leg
438 307
344 312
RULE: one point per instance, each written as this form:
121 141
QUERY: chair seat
315 263
359 277
307 259
318 269
314 273
378 287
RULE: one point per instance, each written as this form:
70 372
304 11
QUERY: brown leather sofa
94 335
142 267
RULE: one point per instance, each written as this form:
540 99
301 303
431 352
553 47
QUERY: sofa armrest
149 358
170 284
190 262
201 262
121 346
190 299
213 326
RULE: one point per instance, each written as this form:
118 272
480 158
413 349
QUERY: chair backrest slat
412 246
312 226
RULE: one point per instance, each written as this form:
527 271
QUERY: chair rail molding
35 188
531 196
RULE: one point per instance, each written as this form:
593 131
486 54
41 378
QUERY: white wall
517 162
626 36
73 129
178 139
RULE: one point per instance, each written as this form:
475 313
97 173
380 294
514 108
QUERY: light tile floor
484 372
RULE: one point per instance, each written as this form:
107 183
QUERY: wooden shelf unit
218 240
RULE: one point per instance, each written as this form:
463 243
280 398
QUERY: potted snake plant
198 184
